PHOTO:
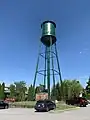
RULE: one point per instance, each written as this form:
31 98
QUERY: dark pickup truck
78 101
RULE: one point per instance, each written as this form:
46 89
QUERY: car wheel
54 107
6 107
66 102
47 109
84 105
80 105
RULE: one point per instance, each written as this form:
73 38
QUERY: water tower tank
48 33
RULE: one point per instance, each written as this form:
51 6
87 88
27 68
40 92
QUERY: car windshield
40 101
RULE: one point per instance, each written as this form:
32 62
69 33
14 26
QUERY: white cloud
80 52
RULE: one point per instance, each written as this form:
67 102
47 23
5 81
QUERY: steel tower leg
59 71
36 67
45 68
52 67
53 77
48 71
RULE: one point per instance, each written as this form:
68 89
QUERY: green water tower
48 38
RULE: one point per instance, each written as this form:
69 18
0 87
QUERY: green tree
76 88
87 89
0 90
31 95
41 87
20 90
0 86
84 93
71 88
56 92
88 86
12 91
2 94
66 89
37 90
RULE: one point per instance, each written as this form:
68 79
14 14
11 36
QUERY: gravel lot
27 114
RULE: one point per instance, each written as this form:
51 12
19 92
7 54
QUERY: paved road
27 114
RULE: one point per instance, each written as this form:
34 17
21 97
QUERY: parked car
44 105
78 101
3 105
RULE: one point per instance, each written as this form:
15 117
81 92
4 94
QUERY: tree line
20 92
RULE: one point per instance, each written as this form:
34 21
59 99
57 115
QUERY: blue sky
20 33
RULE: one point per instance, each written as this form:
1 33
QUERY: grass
30 104
63 106
24 104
